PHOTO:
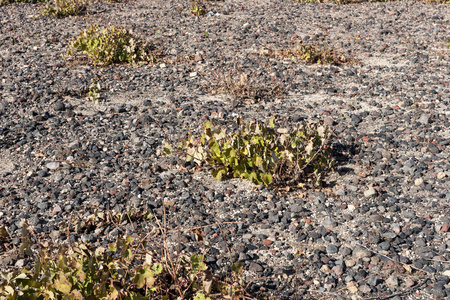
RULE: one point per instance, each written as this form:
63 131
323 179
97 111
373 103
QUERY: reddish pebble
445 227
366 138
267 242
325 259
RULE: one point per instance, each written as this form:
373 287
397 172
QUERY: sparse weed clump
309 53
262 153
329 1
5 2
111 45
125 269
244 86
198 7
94 92
64 8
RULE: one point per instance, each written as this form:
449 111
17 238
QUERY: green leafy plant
125 269
94 92
198 8
111 45
263 154
64 8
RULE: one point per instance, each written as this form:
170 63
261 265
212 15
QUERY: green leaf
157 268
267 179
236 268
197 263
200 296
218 174
272 122
62 287
112 247
144 277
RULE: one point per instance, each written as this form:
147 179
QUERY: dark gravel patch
380 227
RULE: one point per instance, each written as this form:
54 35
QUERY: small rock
444 227
365 289
351 207
246 26
193 74
325 269
441 175
254 267
424 119
439 290
247 236
373 280
267 242
243 256
361 252
351 286
433 148
53 165
392 281
55 234
56 210
328 222
328 121
59 106
295 208
409 282
338 270
371 192
345 251
332 249
418 182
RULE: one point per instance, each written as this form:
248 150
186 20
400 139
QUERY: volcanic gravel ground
380 226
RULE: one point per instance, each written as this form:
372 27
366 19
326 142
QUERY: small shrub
329 1
247 86
111 45
5 2
310 53
64 8
94 92
123 270
263 154
244 87
198 7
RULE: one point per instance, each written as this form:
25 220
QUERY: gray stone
424 119
365 289
392 281
254 267
332 249
53 165
328 222
361 252
59 106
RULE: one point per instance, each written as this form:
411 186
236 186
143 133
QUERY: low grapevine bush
262 153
